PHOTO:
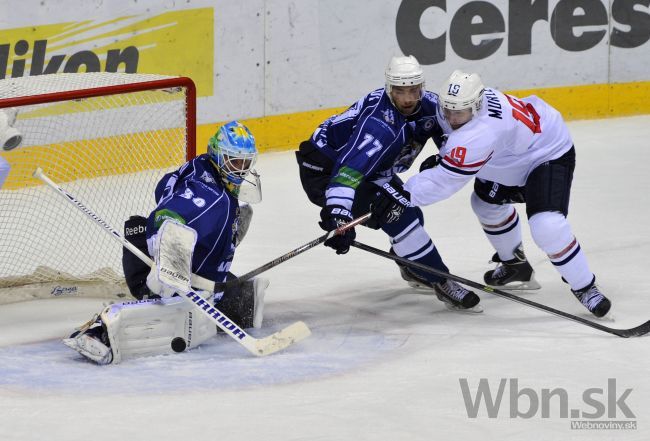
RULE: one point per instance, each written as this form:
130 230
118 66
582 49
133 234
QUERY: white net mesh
107 150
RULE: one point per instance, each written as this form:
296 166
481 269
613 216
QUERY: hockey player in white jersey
203 195
518 151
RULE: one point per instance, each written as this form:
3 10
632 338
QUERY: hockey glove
389 205
431 162
332 217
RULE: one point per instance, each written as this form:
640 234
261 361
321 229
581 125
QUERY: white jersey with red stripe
504 143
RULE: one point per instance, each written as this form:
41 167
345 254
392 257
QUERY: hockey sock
501 226
415 244
552 233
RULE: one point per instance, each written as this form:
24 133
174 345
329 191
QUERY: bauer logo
172 43
596 408
174 274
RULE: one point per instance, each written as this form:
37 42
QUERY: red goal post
106 137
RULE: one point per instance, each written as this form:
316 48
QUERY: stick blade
638 331
282 339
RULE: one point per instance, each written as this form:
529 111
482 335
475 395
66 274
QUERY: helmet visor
457 118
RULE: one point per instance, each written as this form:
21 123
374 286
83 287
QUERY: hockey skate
454 296
91 341
592 299
512 274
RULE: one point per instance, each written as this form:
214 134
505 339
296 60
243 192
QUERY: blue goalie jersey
373 141
195 196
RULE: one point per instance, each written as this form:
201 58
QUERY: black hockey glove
430 162
332 217
389 205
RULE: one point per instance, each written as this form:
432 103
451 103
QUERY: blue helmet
232 149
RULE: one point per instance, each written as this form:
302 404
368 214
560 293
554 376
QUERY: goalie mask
405 83
461 97
233 153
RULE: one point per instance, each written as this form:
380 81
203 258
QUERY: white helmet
462 91
403 71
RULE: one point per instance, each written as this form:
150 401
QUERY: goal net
107 138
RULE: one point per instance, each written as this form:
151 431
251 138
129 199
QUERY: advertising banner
284 66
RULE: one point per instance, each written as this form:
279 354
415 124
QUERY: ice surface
383 363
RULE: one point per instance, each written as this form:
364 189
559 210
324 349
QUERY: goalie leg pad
154 327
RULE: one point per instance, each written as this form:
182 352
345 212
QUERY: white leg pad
154 327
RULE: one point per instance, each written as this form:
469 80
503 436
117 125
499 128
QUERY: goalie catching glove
389 205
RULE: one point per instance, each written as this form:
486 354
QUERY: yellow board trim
115 155
278 133
286 132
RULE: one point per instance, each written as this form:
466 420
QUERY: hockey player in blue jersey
354 156
204 194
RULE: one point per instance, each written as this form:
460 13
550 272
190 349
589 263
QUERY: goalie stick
637 331
260 347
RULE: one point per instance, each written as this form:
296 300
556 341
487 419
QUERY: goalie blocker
155 326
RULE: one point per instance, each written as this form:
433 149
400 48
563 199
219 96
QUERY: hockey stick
218 286
631 332
262 346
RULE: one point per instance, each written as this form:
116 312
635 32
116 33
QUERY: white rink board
279 56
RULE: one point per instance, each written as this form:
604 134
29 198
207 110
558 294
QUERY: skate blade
519 286
478 309
419 286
